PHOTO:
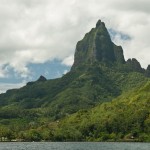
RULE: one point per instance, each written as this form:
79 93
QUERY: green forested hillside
99 75
126 118
76 90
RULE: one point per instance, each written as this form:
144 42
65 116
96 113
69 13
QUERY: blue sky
39 37
50 70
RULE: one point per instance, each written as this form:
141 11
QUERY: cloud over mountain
38 31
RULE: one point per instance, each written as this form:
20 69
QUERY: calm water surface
74 146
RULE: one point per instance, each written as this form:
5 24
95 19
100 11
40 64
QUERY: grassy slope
126 118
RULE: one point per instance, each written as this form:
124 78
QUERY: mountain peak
97 46
148 67
42 78
134 65
147 72
100 23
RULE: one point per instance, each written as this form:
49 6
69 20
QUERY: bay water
73 146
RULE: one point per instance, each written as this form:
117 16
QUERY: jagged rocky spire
148 67
97 46
134 65
147 72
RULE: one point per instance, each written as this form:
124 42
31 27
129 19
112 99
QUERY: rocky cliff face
147 73
119 56
134 65
97 46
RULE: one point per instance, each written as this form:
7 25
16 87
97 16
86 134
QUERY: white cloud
68 61
34 31
5 86
65 71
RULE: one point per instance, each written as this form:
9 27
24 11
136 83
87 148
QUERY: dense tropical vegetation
102 98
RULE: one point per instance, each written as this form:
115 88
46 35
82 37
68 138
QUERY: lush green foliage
99 75
125 118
